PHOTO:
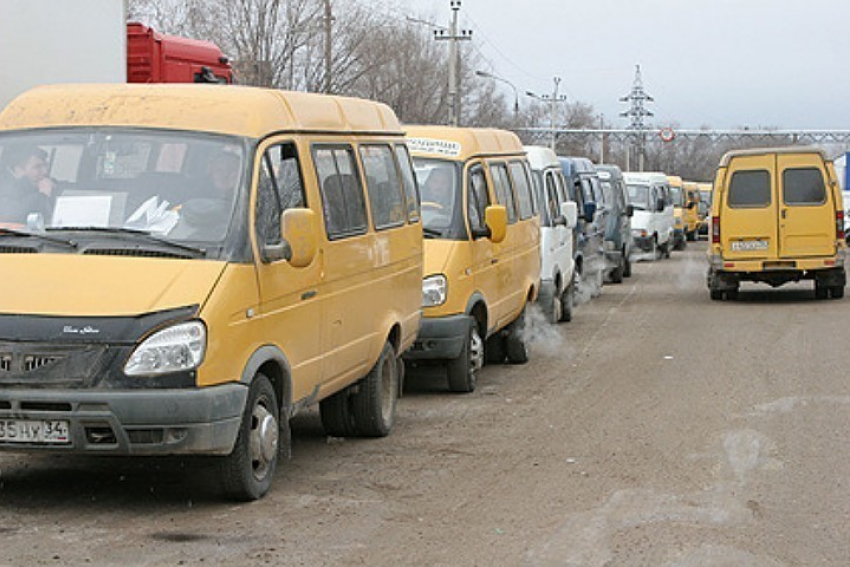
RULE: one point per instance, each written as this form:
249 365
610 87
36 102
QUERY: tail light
715 230
839 225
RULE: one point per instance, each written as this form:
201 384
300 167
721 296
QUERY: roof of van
724 161
609 171
224 109
675 180
541 157
461 143
645 177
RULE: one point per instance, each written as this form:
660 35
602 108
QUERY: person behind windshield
206 212
25 187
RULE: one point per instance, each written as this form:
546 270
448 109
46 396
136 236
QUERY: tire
716 294
337 417
836 292
627 265
568 300
555 310
656 251
494 349
618 272
373 406
515 346
732 294
691 236
462 371
665 250
247 472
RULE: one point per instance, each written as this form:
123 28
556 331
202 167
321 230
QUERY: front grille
34 362
5 362
46 406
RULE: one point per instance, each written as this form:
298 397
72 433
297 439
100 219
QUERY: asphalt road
657 428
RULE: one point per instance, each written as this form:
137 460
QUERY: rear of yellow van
777 217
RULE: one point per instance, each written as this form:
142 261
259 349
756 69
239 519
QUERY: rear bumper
827 271
137 422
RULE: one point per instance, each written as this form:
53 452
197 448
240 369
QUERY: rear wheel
568 300
716 294
462 371
515 346
247 472
821 291
618 272
373 406
836 292
337 418
627 265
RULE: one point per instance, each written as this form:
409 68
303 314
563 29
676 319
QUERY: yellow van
690 214
677 192
208 262
776 217
482 254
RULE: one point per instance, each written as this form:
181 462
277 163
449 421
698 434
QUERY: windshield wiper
431 232
134 232
23 233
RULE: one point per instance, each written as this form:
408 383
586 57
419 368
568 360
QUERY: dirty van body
776 217
558 218
212 261
653 220
585 189
618 227
482 252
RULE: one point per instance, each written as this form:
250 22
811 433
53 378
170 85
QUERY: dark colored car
618 223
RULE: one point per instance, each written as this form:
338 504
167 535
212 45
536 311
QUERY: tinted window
280 188
342 197
803 186
502 188
408 179
478 198
383 185
523 190
749 189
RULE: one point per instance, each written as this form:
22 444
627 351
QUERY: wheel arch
476 307
271 361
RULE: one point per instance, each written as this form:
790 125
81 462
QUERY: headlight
639 233
434 291
172 349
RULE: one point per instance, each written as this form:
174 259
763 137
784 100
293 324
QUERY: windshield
639 196
439 183
174 185
676 194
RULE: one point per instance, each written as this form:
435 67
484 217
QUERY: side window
343 204
478 198
523 190
749 189
551 193
383 185
803 186
587 191
280 188
408 180
502 189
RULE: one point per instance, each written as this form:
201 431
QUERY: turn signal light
715 230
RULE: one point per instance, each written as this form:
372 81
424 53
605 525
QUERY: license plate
749 245
42 431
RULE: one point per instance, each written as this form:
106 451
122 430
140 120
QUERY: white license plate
749 245
34 431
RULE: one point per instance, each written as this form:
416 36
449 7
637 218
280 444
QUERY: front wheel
836 292
462 371
247 472
627 265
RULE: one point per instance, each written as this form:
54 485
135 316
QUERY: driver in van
437 189
25 187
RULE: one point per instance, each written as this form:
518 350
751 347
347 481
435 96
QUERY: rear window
749 189
803 186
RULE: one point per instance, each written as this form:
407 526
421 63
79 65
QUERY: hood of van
641 219
437 253
102 286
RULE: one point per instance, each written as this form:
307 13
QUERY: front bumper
440 338
643 242
137 422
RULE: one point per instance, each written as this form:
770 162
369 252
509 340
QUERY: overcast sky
723 63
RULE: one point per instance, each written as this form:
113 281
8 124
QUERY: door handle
309 294
494 260
784 212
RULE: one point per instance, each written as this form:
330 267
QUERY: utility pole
328 22
637 98
454 64
553 101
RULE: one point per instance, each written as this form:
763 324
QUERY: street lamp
552 100
487 75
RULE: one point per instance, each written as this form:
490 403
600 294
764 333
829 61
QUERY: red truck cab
153 57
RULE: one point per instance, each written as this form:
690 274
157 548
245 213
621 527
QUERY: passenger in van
25 186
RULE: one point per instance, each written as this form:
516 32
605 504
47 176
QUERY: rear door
807 212
749 209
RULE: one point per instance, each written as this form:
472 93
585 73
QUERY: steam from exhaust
543 337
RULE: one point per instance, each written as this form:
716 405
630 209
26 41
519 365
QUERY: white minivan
653 220
558 219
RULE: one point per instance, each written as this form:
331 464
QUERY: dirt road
657 428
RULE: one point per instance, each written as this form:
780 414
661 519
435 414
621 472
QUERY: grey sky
724 63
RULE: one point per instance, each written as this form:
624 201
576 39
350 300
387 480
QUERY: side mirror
496 218
691 205
299 231
659 205
630 211
569 211
589 211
